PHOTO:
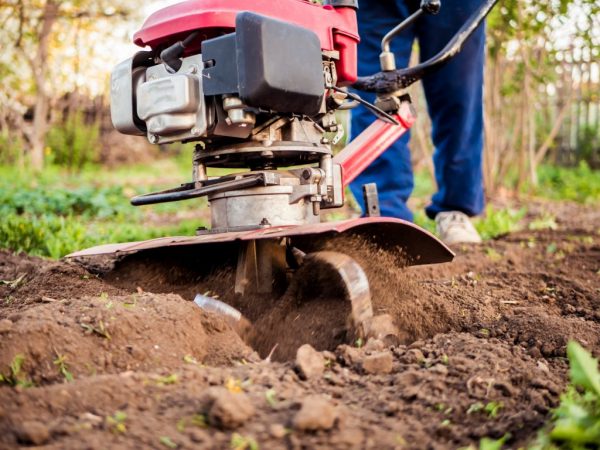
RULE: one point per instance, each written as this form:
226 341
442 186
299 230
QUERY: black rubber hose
172 54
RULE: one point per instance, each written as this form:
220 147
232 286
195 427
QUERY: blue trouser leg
392 171
454 97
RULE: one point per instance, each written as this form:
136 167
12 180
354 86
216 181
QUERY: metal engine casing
239 79
171 106
250 105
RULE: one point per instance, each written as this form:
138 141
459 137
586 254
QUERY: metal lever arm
372 142
391 81
386 58
188 191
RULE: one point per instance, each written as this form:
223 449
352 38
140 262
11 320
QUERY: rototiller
256 85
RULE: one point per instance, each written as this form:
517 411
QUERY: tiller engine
257 85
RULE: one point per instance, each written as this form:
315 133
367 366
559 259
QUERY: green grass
55 213
499 221
58 211
580 184
493 223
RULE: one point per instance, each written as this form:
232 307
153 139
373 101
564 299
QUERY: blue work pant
454 95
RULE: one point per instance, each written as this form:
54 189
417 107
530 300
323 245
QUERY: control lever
378 112
386 58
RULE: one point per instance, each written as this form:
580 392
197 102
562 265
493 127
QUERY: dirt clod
309 362
227 409
413 356
378 363
33 432
277 430
374 345
350 356
382 327
5 325
316 413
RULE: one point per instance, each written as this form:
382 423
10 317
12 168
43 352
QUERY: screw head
195 131
153 138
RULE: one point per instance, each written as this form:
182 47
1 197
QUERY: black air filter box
279 65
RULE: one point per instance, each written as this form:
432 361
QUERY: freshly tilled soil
101 362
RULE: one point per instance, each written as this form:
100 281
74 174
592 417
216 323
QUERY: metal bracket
371 200
261 267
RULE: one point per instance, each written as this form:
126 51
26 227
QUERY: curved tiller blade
333 272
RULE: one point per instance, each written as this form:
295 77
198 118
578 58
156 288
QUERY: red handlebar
372 142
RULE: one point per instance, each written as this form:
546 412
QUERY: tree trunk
38 66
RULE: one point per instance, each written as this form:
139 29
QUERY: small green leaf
271 397
584 368
190 359
168 379
493 444
167 442
493 408
475 407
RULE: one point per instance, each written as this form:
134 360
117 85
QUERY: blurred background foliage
66 175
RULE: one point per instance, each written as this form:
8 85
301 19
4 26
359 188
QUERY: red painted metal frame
419 245
372 142
336 27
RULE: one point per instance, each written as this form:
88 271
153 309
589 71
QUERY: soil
120 356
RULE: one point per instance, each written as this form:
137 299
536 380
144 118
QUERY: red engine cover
336 27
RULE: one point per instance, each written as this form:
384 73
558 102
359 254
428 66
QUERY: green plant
167 442
197 420
11 148
271 397
575 424
73 143
546 221
493 444
116 422
61 362
589 142
100 330
493 254
497 222
15 377
580 184
190 360
493 408
167 380
239 442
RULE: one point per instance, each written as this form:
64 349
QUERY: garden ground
89 361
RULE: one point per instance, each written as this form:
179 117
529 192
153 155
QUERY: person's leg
392 171
455 102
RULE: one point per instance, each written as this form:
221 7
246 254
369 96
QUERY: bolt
153 138
195 131
306 174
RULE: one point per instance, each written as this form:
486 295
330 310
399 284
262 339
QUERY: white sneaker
454 227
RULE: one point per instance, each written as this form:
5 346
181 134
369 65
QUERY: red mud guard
419 246
336 27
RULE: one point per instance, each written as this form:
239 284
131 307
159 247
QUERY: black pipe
390 81
182 193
